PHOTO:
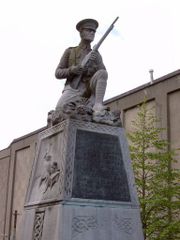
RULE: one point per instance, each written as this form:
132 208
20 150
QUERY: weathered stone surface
82 185
84 220
48 170
81 160
83 113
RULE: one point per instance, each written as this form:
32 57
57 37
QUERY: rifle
95 48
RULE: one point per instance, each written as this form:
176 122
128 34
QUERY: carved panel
38 225
51 131
69 161
81 224
123 224
47 180
94 127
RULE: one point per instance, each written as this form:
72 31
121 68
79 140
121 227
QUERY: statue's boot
99 96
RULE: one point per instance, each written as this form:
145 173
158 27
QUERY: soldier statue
86 80
93 76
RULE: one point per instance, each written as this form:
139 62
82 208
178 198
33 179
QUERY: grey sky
34 34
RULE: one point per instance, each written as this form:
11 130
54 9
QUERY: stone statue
86 79
94 75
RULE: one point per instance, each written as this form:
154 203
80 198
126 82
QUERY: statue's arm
63 70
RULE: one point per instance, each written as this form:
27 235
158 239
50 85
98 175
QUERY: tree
156 180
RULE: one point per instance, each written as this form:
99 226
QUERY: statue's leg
98 85
69 95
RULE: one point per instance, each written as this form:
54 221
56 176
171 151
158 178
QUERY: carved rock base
83 112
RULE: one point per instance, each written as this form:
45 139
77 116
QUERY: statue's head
87 29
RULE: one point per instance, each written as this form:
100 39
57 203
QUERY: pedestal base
79 220
82 186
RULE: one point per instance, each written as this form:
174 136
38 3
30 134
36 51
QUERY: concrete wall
23 165
174 122
4 177
15 168
131 114
164 94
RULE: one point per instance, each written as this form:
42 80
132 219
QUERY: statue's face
87 34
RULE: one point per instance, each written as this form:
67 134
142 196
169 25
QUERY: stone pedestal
82 186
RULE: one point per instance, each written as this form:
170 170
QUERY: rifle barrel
115 21
95 48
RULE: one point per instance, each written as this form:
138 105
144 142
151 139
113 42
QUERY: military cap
87 23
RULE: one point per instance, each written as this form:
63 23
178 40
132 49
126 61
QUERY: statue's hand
93 56
76 70
91 60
